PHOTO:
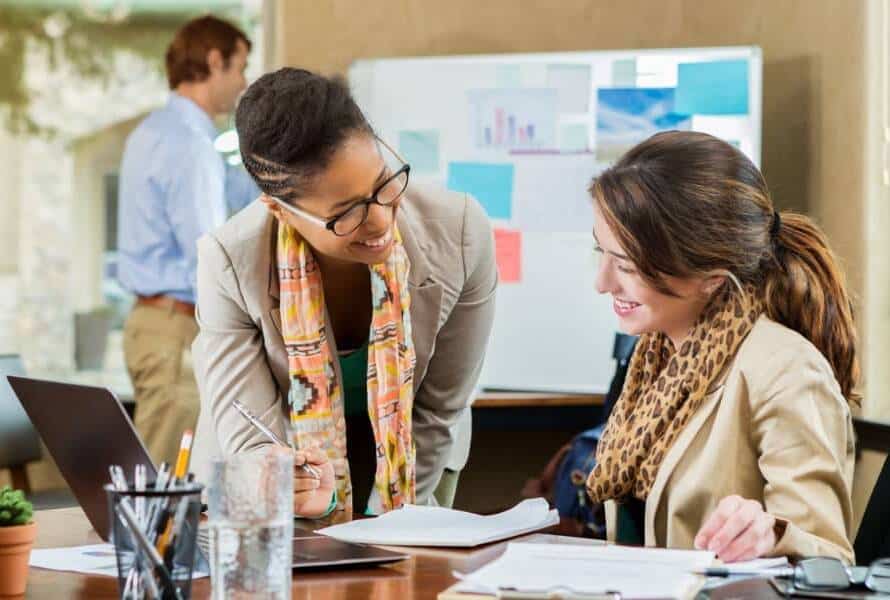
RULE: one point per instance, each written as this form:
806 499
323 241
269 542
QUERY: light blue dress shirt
172 190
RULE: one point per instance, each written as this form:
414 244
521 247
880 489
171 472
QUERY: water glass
251 524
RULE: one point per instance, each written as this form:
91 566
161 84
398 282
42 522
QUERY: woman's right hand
312 495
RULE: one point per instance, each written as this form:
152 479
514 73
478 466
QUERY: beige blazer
239 352
774 428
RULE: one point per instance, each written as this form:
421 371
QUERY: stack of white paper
642 573
437 526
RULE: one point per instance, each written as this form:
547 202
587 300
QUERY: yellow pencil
182 463
182 459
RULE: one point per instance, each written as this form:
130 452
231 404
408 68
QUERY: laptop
86 430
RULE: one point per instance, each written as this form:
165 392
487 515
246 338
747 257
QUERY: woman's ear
712 284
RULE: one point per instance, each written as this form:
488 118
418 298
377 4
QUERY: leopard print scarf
663 390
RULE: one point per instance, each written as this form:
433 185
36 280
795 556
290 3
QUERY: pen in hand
271 435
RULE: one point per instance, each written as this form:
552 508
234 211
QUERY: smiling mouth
626 304
378 242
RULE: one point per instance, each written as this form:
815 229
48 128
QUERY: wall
814 72
10 175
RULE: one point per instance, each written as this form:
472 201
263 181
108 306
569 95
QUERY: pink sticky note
508 253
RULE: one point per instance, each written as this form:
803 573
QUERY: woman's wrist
331 506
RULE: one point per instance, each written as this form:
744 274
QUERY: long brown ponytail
687 204
807 292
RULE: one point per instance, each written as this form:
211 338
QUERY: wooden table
421 577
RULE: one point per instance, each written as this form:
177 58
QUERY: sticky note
712 88
508 254
624 73
421 149
490 183
573 137
573 85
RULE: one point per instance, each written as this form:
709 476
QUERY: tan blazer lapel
277 355
673 456
426 297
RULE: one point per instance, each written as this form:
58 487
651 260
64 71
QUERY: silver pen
271 435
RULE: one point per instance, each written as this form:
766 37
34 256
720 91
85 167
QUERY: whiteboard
526 133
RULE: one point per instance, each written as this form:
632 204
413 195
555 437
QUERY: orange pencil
182 463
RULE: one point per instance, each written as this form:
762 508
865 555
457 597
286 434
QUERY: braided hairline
273 178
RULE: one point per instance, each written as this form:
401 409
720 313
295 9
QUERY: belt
167 303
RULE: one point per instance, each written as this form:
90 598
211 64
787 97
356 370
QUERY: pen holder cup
154 535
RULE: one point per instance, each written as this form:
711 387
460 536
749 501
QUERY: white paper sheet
95 559
635 572
437 526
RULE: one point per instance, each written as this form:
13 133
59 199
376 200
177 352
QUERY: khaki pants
447 488
157 350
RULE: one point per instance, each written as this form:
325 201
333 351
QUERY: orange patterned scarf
316 397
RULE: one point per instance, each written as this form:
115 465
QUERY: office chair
20 442
873 539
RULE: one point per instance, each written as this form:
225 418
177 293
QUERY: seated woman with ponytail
345 307
733 431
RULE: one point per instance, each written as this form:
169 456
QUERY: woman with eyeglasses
733 430
345 310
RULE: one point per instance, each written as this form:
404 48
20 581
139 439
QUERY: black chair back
873 539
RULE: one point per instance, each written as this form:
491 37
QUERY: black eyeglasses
823 574
351 219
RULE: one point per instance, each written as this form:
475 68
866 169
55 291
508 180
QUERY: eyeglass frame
330 223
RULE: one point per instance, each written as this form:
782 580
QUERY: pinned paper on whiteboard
421 149
490 183
713 88
514 119
627 116
572 84
508 253
624 72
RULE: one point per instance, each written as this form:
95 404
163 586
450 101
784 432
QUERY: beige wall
814 101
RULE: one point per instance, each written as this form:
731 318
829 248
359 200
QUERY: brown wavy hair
186 58
687 204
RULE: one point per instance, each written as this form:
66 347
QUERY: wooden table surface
421 577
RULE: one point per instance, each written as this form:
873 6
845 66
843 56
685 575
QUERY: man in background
172 191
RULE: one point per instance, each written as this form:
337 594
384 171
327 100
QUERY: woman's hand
312 495
738 529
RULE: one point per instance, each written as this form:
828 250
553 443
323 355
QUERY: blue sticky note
421 149
491 184
712 88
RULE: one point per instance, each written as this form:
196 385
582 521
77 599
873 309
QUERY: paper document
756 564
437 526
643 573
95 559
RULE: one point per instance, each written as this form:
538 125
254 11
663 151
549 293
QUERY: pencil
261 427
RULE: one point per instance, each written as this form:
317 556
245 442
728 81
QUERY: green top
630 522
354 367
